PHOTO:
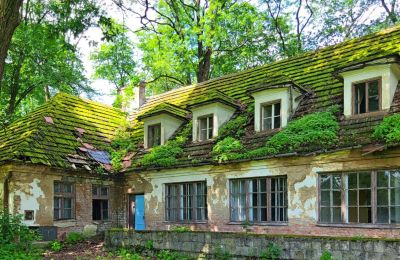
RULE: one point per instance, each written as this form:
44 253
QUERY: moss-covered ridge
57 130
164 108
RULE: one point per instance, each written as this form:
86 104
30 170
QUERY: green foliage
144 253
74 238
234 128
272 252
16 239
326 255
56 246
221 254
149 245
114 62
388 130
181 229
167 154
227 149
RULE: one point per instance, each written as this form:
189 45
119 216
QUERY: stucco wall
301 172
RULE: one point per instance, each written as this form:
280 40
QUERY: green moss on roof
213 96
164 108
32 139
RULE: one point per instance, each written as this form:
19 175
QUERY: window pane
268 111
277 122
325 214
352 181
382 197
325 181
364 180
382 215
277 108
365 215
325 198
336 182
353 214
382 179
394 179
336 198
67 187
210 122
395 197
94 190
395 215
263 185
267 123
364 197
263 214
57 187
352 197
359 98
104 191
336 215
373 96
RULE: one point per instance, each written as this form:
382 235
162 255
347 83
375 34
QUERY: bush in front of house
16 239
74 238
272 252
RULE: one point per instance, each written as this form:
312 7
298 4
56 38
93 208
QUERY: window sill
259 223
366 115
377 226
64 222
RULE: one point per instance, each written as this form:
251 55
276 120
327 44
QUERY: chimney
140 94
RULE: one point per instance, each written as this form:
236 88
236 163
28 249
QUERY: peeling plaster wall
32 188
302 178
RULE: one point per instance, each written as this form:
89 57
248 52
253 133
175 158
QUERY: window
205 128
371 197
366 96
186 202
271 116
154 135
259 200
100 195
64 200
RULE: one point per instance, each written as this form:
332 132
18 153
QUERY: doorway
136 212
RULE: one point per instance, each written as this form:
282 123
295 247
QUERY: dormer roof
165 108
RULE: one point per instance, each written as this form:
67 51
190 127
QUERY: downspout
6 193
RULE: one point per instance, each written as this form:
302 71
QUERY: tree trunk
9 20
203 73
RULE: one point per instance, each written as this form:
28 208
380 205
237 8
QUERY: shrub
16 239
272 252
181 229
326 255
388 130
74 238
227 149
56 246
167 154
234 128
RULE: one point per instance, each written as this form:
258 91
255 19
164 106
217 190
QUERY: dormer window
367 96
271 115
154 135
369 87
206 125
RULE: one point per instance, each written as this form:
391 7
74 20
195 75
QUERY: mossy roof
56 133
164 108
313 72
212 96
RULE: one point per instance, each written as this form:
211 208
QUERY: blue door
140 223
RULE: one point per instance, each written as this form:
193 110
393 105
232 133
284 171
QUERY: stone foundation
248 245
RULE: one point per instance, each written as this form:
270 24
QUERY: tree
114 62
9 20
193 41
43 58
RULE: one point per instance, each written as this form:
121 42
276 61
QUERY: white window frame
263 117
